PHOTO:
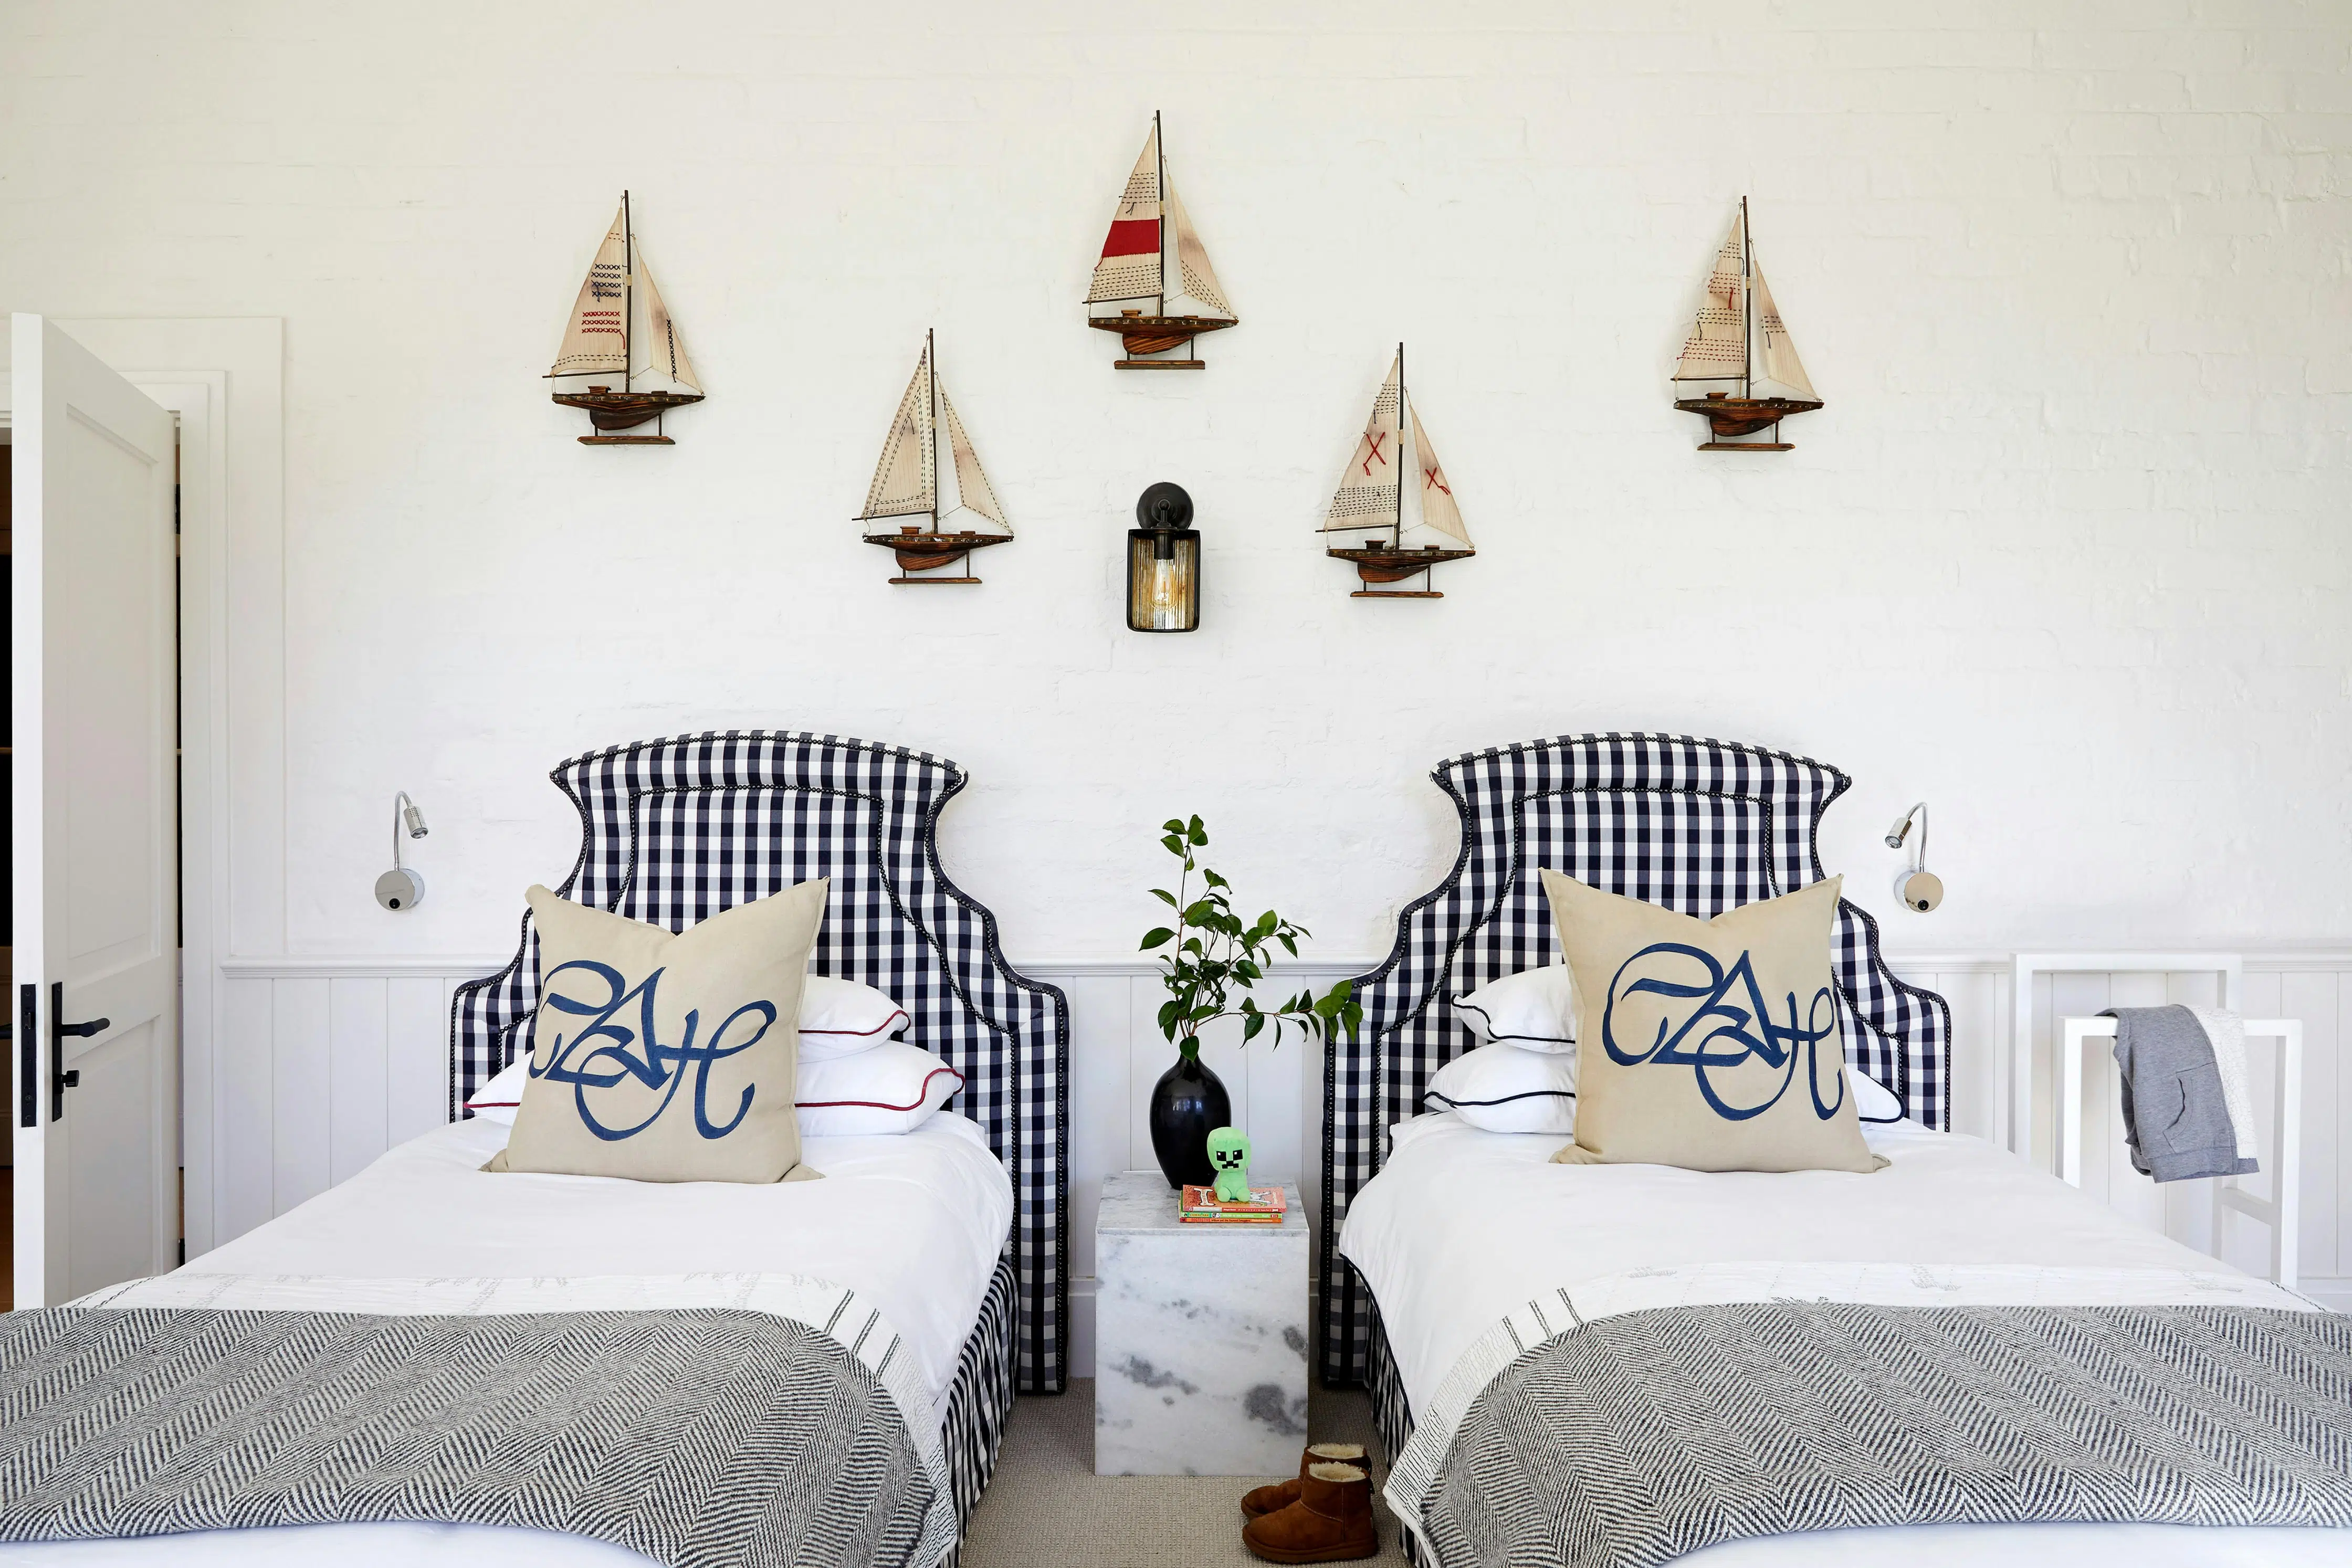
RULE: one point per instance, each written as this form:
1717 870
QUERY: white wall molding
2270 961
310 966
2313 961
2300 961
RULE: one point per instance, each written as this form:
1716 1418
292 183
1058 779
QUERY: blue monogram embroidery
1720 1034
628 1053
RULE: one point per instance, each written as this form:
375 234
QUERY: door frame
224 379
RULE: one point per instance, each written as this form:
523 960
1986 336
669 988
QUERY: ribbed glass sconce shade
1163 591
1164 563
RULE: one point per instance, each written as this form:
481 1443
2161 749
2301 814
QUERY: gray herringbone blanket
1630 1441
699 1437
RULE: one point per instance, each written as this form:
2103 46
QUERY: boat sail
1372 499
1151 245
619 326
1740 337
907 483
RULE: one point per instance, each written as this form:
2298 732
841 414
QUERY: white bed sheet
913 1222
1462 1226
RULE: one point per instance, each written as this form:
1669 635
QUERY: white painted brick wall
2066 553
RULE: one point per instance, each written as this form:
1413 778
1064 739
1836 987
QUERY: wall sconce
401 888
1915 887
1164 563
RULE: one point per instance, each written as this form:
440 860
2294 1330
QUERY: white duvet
914 1223
1462 1227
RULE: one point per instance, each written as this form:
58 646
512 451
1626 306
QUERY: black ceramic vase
1188 1104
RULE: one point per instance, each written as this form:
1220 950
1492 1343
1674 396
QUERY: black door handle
61 1077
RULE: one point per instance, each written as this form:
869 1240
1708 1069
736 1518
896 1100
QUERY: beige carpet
1047 1508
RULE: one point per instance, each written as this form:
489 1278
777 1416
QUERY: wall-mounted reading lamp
402 888
1915 887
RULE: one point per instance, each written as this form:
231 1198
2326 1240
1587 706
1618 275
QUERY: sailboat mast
1747 303
1160 146
628 291
931 403
1399 449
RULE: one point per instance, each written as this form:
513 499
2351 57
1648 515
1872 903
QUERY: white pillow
838 1019
1873 1101
1503 1089
495 1101
1535 1008
841 1018
892 1088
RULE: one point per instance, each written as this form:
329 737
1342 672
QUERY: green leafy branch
1215 952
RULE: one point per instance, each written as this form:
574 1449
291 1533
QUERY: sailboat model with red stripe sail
1154 286
619 326
1372 499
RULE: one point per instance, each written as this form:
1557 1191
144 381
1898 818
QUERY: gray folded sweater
2176 1110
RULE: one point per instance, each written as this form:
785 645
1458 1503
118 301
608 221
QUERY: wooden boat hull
624 410
1387 565
1157 335
927 552
1730 417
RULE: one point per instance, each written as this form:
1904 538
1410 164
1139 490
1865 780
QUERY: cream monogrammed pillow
1709 1044
663 1058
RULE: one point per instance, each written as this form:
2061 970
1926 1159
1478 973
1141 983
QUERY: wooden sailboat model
620 327
907 485
1371 500
1153 244
1740 337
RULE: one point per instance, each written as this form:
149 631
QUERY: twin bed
1619 1364
1599 1365
861 1337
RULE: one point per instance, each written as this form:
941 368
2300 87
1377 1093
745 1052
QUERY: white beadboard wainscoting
326 1063
320 1065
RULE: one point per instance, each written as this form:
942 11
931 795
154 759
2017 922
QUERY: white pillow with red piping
893 1088
841 1018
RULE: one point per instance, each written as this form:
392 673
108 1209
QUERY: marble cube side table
1200 1338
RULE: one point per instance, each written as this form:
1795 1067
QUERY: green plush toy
1229 1152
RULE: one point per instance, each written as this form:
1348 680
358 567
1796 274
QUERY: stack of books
1199 1205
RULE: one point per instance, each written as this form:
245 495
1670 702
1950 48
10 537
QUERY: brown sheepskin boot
1282 1494
1331 1522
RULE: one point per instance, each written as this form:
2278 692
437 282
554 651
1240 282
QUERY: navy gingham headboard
1698 826
675 830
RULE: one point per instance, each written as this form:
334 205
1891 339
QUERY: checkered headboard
1698 826
675 831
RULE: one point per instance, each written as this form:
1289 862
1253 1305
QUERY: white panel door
97 841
